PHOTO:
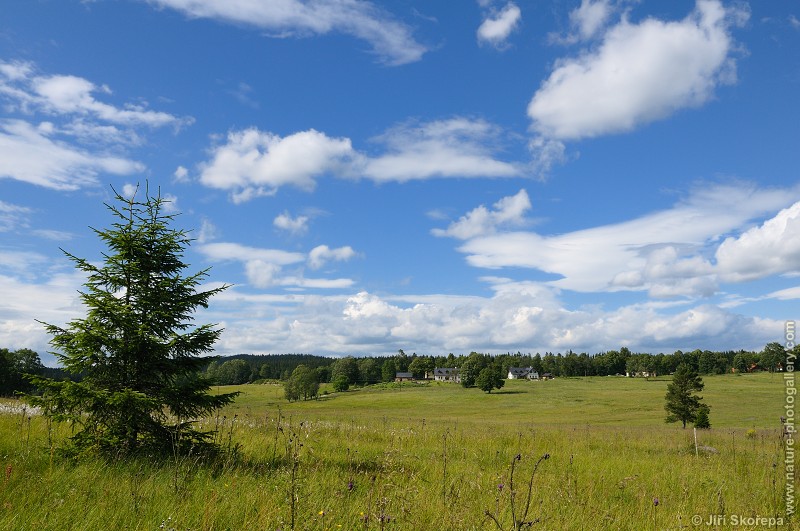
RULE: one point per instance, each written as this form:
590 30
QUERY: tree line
16 365
351 371
373 369
302 373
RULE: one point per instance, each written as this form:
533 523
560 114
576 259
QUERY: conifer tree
136 355
681 402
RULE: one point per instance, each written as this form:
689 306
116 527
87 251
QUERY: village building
522 373
444 374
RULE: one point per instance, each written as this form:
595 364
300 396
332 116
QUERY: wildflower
350 485
500 487
655 501
322 513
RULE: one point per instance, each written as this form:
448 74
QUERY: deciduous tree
490 378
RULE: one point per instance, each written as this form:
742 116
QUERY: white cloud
253 163
519 316
20 262
769 249
13 216
69 95
55 235
524 316
285 221
639 73
264 267
53 301
261 274
545 154
590 17
391 40
28 154
222 252
317 283
81 137
786 294
15 71
496 27
208 232
129 190
509 211
458 147
61 94
170 204
323 254
667 252
181 175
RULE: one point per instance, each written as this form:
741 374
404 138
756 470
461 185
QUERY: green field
433 456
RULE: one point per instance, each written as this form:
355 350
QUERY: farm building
520 373
441 374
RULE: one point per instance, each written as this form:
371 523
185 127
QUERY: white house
519 373
441 374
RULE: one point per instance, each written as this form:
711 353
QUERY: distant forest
366 370
252 368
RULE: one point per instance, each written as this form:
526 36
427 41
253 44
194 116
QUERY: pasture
433 456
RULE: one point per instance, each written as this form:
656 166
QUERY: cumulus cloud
181 175
590 17
639 73
522 316
509 211
264 268
261 274
769 249
253 163
498 25
129 190
668 252
297 225
54 300
525 316
323 254
390 39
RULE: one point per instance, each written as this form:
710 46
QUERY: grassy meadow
433 456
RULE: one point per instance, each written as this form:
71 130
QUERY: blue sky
432 176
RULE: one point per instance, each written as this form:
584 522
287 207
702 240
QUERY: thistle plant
519 516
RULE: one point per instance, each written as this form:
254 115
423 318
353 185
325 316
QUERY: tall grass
423 457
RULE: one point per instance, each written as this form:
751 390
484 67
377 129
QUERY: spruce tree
136 355
681 402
